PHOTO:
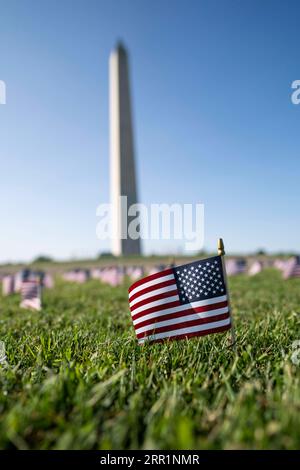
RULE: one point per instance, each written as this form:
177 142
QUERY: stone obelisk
122 168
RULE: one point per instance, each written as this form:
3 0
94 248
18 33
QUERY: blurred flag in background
31 295
292 268
255 268
235 266
8 285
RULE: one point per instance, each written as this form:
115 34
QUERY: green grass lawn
75 377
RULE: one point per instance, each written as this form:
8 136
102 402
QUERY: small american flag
48 281
31 295
113 276
77 275
8 285
181 302
255 268
135 272
292 268
234 266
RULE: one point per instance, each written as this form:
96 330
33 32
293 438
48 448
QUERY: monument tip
120 47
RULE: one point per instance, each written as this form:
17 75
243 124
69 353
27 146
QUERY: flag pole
221 252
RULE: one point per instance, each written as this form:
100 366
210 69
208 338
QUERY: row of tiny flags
29 285
115 275
289 268
171 302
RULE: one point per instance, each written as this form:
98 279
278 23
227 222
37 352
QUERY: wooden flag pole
221 252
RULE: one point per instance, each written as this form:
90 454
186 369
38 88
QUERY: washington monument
122 168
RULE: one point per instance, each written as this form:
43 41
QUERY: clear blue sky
213 116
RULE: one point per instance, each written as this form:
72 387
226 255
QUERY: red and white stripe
31 295
294 272
157 312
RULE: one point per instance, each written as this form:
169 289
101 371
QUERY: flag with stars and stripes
31 295
235 266
8 285
181 302
292 268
